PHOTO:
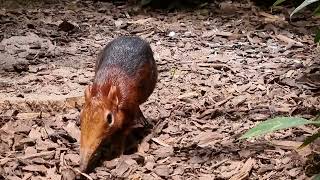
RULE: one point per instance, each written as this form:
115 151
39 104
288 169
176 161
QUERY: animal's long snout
85 158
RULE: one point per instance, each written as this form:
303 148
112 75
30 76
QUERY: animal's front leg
141 119
118 144
120 141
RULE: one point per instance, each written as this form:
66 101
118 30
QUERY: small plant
280 123
145 2
300 7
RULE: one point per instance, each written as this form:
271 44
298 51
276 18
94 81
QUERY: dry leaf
162 171
73 130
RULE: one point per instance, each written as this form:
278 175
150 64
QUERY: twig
219 163
290 42
46 153
156 130
84 174
160 142
215 66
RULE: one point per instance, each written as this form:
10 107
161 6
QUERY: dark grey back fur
128 52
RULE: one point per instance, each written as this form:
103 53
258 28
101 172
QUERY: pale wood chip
289 41
245 170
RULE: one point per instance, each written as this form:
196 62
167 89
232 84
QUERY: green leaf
302 5
317 118
145 2
278 2
316 177
316 12
309 140
275 124
317 37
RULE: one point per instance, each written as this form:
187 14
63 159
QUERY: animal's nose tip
83 164
84 160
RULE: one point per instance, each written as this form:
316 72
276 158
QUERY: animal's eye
109 119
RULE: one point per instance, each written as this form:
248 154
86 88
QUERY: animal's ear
87 93
113 95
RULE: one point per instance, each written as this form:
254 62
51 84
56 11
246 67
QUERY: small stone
120 24
171 34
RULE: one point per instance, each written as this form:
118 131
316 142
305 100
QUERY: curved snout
85 158
89 156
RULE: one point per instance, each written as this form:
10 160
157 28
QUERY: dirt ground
222 69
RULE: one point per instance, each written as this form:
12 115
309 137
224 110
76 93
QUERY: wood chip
245 170
35 168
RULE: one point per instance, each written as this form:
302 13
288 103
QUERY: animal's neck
99 89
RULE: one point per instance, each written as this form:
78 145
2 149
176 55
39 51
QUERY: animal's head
100 118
